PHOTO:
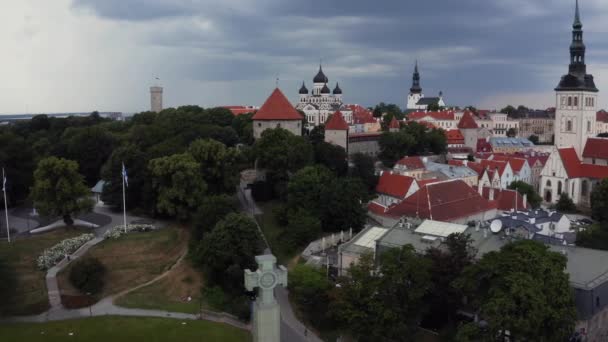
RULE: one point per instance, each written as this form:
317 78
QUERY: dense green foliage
596 236
59 189
331 156
599 201
523 289
534 199
412 139
391 110
565 203
87 275
310 289
8 284
364 169
211 210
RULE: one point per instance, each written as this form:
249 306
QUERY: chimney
525 201
465 162
491 194
532 220
480 188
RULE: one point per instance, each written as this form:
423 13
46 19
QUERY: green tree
344 196
178 184
17 159
509 110
332 156
212 209
511 132
59 189
8 285
447 265
309 288
522 289
87 275
228 250
307 188
394 146
218 165
384 305
534 139
90 147
388 109
565 203
599 201
280 151
220 116
303 227
317 134
135 162
364 169
524 188
243 126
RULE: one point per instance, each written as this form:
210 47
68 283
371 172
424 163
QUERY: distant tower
576 97
415 91
156 98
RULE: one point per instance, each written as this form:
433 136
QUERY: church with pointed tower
322 102
576 97
416 99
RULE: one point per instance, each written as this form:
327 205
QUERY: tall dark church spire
415 89
577 77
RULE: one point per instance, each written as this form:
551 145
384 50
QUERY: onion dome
303 90
337 90
320 78
325 89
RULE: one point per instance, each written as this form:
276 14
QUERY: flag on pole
124 175
3 180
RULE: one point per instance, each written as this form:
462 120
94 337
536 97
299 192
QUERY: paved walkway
291 327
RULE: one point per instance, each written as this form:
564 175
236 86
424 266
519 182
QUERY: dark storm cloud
467 48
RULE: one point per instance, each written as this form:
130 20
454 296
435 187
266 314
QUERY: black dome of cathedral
320 77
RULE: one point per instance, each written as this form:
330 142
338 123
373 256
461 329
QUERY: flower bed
51 256
117 231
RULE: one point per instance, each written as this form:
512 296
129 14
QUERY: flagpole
124 203
8 231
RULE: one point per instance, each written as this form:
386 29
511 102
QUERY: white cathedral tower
576 97
415 91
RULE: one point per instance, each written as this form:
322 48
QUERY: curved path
292 329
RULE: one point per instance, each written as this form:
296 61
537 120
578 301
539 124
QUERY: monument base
266 322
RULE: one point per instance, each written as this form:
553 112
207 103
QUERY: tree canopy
218 165
522 289
280 151
524 188
59 189
599 201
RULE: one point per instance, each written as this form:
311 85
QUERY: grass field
21 255
169 293
123 329
133 259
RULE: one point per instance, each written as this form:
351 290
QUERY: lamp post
90 305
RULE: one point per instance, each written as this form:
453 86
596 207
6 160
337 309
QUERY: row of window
572 101
569 126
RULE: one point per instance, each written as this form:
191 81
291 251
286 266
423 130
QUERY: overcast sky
84 55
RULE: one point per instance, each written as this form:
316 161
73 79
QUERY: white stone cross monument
266 312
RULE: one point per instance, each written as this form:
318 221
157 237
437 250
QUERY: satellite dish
496 226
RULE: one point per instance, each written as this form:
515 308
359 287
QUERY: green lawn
273 231
21 255
123 329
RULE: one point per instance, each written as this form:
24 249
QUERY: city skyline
103 55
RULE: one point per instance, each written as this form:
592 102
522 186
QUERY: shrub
87 275
119 230
51 256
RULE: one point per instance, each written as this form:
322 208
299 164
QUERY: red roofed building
410 166
443 119
469 129
596 151
467 121
565 173
277 112
393 188
449 201
454 138
394 126
238 110
601 122
521 169
336 130
483 146
506 199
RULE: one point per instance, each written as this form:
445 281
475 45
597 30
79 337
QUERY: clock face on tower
268 280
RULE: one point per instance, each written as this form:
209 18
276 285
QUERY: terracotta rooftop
505 198
394 184
467 121
336 123
596 148
576 169
277 107
394 123
411 163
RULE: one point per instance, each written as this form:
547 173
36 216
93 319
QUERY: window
559 187
569 101
259 124
569 126
575 101
549 183
588 126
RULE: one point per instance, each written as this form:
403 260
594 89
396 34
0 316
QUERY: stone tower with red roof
469 129
336 130
277 112
394 126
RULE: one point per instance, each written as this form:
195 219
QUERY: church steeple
416 89
577 77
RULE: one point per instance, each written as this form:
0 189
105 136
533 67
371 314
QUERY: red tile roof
596 148
443 115
489 164
411 163
601 116
443 201
516 163
361 115
505 198
277 107
394 184
454 137
467 121
576 169
427 124
483 145
336 122
394 123
238 110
